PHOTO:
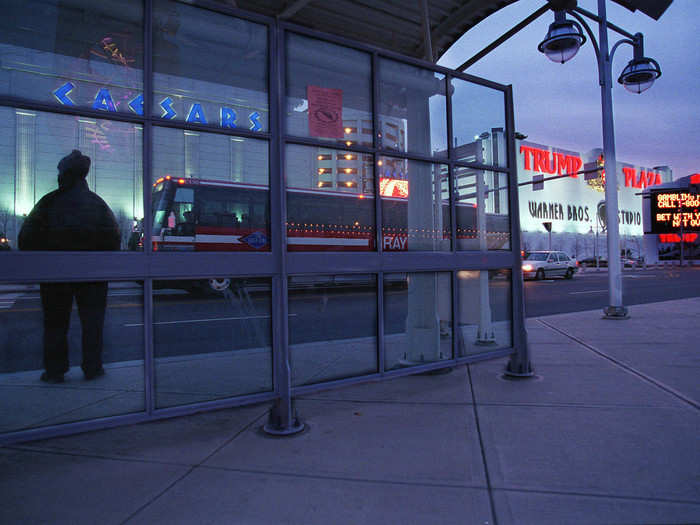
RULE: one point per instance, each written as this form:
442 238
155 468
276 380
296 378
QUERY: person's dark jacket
70 218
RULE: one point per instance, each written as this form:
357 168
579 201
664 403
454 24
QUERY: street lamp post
561 43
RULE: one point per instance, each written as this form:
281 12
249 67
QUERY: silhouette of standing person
71 218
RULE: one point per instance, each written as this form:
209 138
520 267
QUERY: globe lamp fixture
563 39
640 72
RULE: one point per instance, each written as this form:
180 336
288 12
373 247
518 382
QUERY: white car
542 264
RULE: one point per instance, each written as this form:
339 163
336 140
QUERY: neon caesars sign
555 163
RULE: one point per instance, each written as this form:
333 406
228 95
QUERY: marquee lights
103 101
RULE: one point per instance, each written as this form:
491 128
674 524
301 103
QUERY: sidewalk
608 432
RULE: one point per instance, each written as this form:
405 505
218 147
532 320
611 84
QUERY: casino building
552 188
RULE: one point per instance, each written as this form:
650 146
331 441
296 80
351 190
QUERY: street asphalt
608 431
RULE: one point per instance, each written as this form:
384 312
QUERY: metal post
283 419
519 365
680 211
615 310
597 257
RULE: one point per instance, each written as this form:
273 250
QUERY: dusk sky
559 104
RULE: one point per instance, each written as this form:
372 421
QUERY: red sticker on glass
325 112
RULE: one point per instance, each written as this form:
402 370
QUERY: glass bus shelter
295 212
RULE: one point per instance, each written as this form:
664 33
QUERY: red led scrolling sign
672 212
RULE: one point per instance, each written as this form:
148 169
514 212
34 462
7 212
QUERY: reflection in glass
86 341
329 91
417 318
485 314
415 205
413 111
212 339
29 169
332 327
478 124
330 200
210 192
209 68
74 53
483 220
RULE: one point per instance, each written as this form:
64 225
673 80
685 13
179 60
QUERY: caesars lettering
104 102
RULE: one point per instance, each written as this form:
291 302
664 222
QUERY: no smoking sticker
325 112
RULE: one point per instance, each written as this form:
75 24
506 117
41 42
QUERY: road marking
589 291
208 320
7 300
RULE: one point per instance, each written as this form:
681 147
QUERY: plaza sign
555 163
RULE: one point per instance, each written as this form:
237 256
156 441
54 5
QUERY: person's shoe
94 375
52 379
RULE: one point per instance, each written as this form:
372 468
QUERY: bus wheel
218 285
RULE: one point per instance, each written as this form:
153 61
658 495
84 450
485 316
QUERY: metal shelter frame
278 264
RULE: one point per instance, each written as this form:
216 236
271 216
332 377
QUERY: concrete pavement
608 432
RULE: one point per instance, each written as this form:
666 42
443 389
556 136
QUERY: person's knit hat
75 164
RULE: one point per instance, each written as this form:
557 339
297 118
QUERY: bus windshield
172 206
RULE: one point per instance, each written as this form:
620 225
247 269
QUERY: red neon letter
573 165
539 163
526 151
630 175
560 162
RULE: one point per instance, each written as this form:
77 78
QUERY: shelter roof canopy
397 25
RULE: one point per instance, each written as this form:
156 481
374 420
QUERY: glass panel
330 200
70 352
332 327
95 209
478 123
74 53
485 313
415 205
212 339
417 318
208 68
413 111
483 219
329 91
210 192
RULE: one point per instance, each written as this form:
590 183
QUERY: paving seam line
689 401
595 495
492 501
433 484
192 468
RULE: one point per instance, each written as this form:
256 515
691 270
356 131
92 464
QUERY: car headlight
527 267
